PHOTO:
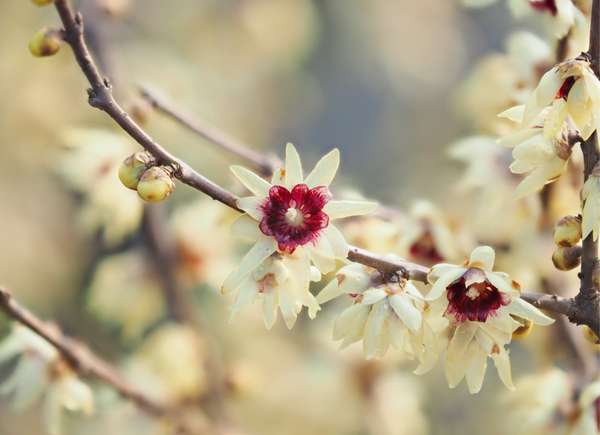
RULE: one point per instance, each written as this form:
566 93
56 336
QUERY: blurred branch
267 164
79 357
100 97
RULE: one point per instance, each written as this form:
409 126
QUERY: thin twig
266 164
100 96
79 357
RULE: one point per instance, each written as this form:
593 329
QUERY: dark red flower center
597 406
424 250
544 5
473 297
295 218
565 88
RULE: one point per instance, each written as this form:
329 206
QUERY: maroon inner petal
544 5
464 306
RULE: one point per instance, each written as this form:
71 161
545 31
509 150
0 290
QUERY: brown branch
100 96
80 358
266 164
588 300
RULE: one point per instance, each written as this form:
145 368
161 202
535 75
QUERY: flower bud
42 2
524 330
133 167
566 258
155 184
46 42
567 231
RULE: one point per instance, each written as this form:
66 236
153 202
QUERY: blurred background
378 79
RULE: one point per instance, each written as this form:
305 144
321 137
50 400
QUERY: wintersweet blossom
588 421
385 312
41 372
541 152
290 222
480 305
571 91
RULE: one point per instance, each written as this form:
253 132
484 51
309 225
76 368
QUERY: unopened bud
566 258
42 2
567 231
133 167
46 42
524 330
155 184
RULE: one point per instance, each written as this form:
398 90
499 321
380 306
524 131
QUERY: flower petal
338 242
325 170
255 184
374 295
476 366
255 256
293 166
351 322
252 206
246 228
523 309
455 366
375 341
482 257
346 208
440 285
502 363
406 311
270 302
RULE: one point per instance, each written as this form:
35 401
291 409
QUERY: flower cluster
290 222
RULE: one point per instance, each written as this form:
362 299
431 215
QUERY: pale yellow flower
480 305
588 420
590 196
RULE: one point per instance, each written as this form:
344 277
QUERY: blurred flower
90 166
121 282
428 237
532 409
560 14
480 306
41 372
373 233
203 241
588 421
387 408
290 217
170 363
512 75
485 159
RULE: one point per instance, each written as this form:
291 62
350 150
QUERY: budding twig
100 96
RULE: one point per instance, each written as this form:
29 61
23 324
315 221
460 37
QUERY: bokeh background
377 78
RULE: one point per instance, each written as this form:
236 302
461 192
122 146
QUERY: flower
41 372
384 312
588 421
569 90
540 152
428 238
480 305
279 281
590 195
533 410
289 221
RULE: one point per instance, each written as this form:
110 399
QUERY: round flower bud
567 231
42 2
46 42
133 167
566 258
155 184
524 330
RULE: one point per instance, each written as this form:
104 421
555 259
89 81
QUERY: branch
100 96
80 358
267 164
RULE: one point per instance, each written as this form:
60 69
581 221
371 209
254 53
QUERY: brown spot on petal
340 278
495 349
516 285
